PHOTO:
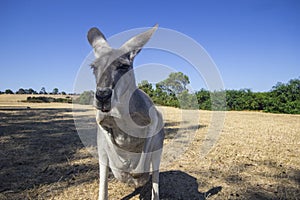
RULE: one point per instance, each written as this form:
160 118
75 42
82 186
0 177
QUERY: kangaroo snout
103 99
103 94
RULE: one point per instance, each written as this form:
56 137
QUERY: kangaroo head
113 68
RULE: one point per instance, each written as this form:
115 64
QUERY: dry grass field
257 156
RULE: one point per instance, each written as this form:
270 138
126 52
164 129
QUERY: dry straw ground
257 156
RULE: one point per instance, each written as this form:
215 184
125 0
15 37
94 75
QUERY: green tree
187 100
175 83
8 91
55 91
168 91
203 97
243 99
31 91
85 98
261 99
284 98
43 90
147 88
21 91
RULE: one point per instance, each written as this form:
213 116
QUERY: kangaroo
130 129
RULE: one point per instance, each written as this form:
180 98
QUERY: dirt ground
256 156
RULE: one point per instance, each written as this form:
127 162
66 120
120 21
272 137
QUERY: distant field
257 156
11 100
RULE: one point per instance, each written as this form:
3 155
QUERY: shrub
42 99
86 98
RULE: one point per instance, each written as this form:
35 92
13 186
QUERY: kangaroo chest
120 135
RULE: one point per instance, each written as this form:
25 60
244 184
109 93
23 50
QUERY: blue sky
255 44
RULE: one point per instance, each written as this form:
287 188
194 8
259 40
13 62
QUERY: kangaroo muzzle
103 99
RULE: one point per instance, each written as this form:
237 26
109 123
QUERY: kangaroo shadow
174 185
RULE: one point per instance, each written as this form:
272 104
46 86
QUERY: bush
8 91
47 100
86 98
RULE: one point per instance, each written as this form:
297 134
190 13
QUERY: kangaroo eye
123 67
92 65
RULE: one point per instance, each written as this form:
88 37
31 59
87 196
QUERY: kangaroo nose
103 94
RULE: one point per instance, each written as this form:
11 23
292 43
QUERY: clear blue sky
255 44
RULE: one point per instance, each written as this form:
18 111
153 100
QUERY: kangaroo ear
96 38
134 45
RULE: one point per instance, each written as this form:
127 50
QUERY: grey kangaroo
130 129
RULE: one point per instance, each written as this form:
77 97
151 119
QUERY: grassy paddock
42 157
19 100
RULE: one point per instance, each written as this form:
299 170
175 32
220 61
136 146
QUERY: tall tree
55 91
176 83
31 91
146 87
43 90
8 91
21 91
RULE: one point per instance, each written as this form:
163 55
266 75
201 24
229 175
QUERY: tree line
55 91
282 98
